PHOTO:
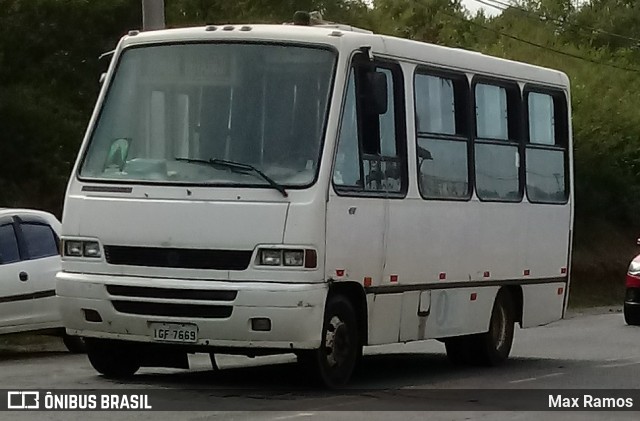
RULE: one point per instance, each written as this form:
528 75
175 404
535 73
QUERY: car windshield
169 106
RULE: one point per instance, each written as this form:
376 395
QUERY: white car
29 261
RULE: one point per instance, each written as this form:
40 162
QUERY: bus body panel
182 223
475 241
543 303
355 247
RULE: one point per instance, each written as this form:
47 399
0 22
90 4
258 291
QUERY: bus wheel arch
334 362
517 298
495 345
490 348
354 292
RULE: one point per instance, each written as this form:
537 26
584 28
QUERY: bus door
369 172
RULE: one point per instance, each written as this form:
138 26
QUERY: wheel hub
336 342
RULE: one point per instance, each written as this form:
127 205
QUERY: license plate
174 332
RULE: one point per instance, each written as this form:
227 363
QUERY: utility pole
153 15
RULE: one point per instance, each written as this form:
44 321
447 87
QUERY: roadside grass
586 293
601 255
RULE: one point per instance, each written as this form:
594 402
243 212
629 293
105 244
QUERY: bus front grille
172 293
173 310
178 257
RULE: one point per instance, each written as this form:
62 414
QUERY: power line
533 44
532 15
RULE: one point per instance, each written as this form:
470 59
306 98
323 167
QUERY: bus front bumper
131 309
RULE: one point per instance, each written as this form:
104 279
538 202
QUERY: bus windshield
172 109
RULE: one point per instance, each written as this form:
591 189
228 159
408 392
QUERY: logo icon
23 400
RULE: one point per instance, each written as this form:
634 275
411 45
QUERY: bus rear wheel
334 362
490 348
113 359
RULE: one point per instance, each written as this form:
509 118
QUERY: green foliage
49 72
198 12
422 20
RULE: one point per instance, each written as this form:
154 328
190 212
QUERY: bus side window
497 147
385 171
373 172
441 104
347 167
546 151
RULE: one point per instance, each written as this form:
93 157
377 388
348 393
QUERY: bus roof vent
302 18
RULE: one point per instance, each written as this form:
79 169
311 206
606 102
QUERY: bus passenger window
491 112
541 119
442 136
497 151
546 154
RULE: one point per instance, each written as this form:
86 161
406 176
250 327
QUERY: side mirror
376 94
117 156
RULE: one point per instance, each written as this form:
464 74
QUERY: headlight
307 258
73 248
269 257
91 249
293 257
634 268
81 248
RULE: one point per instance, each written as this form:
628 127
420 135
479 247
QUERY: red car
632 296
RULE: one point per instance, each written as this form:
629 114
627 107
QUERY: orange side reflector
474 296
394 278
367 281
560 291
339 272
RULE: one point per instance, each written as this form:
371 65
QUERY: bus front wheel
112 359
334 362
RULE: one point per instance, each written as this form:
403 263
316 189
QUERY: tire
334 362
75 344
494 347
491 348
113 359
632 314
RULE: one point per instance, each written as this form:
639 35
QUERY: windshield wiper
237 166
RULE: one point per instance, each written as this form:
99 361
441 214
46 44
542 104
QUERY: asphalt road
583 351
